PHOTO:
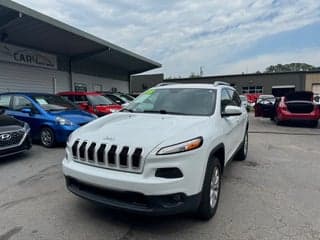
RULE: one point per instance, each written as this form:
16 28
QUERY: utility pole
201 71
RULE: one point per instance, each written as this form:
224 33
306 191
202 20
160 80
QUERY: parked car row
295 106
48 118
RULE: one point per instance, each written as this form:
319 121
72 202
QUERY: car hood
141 130
9 121
76 116
300 96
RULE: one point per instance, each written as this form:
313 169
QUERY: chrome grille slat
114 157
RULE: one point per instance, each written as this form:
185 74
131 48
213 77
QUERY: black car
14 135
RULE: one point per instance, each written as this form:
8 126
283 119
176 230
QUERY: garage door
316 88
15 77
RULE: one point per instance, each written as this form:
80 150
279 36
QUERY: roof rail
165 84
218 83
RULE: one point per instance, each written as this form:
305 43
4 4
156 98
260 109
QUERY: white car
164 153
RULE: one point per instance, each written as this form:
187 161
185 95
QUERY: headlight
182 147
113 110
63 121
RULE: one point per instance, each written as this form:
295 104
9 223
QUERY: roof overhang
23 26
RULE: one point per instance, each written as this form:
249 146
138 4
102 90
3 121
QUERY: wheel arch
219 152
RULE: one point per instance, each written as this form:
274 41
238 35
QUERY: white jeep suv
163 154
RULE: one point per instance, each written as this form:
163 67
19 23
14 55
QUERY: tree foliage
291 67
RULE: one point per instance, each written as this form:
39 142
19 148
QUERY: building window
245 90
252 89
80 87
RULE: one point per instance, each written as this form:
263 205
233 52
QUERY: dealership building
41 54
266 83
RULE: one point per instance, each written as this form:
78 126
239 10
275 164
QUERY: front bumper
158 192
133 201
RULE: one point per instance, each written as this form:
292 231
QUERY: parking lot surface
274 194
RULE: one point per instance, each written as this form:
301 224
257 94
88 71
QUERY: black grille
82 149
10 139
106 156
124 156
136 157
91 151
75 149
101 153
112 155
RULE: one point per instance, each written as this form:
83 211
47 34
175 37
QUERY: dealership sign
26 56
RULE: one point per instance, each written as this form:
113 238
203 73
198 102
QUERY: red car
92 102
297 106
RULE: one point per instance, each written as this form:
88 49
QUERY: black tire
210 197
243 151
47 137
313 123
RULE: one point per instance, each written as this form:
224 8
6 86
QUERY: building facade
263 82
41 54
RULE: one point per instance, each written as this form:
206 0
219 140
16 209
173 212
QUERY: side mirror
231 111
27 110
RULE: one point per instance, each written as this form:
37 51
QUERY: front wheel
210 190
47 137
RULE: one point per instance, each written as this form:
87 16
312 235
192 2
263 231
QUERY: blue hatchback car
51 117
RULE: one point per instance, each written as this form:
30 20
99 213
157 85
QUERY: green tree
291 67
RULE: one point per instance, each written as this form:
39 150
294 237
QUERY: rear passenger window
5 101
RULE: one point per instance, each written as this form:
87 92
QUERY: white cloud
253 64
184 34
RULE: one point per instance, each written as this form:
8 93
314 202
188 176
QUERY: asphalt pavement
274 194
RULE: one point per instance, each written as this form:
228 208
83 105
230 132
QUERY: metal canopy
25 27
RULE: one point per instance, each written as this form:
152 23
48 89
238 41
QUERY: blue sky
223 37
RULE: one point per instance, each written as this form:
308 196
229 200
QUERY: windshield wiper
153 111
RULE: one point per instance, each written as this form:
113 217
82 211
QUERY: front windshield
97 100
181 101
53 103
